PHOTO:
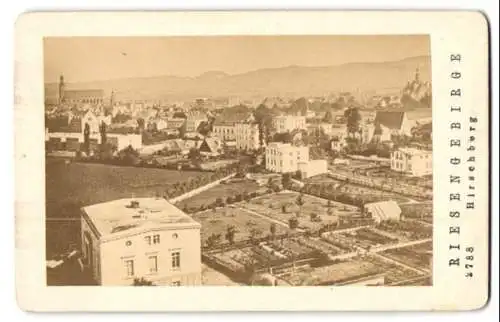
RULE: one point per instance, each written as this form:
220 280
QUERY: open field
418 256
72 186
283 206
217 223
222 190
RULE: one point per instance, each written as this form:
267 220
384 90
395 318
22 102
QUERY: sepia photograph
287 160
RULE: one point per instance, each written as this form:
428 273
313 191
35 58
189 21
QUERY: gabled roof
210 145
384 209
232 118
391 120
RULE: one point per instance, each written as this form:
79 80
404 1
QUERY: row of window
155 239
153 264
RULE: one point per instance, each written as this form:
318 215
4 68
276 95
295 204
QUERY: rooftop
414 151
124 215
391 119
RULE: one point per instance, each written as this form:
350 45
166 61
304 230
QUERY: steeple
61 89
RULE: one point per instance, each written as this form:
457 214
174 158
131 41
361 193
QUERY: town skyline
134 57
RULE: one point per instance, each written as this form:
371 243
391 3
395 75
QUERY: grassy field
72 186
217 223
418 256
271 205
219 191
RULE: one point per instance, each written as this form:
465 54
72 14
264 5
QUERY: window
148 240
176 259
176 283
153 264
129 265
156 239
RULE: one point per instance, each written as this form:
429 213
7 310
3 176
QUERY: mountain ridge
291 80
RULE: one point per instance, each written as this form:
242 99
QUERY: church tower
61 89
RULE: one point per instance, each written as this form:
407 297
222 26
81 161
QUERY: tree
255 234
273 230
142 282
182 130
86 138
102 130
230 234
106 151
141 124
293 223
353 118
286 180
204 128
194 154
329 206
328 117
300 201
129 156
213 240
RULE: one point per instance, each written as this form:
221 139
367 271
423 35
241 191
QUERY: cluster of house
414 161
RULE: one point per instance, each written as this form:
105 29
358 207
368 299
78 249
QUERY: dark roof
231 118
63 124
82 93
392 120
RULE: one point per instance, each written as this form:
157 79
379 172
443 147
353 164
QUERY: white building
285 157
247 136
338 144
383 210
312 168
288 123
145 238
412 161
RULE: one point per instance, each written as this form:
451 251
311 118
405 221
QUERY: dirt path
276 221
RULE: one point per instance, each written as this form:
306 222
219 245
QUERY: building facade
144 238
412 161
82 96
225 131
285 157
247 136
288 123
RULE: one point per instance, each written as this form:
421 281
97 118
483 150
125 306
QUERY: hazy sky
100 58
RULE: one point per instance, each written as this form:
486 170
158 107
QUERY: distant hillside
294 81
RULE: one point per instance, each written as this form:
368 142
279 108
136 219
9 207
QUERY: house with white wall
148 238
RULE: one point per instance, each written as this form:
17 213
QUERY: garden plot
247 225
311 212
393 273
418 256
364 238
407 229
